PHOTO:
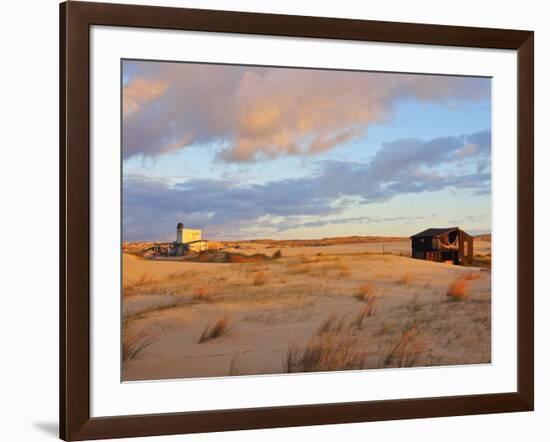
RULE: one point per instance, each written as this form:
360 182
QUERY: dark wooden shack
443 244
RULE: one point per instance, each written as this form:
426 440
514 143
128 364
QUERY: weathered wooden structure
443 244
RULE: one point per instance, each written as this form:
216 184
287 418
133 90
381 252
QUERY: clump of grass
428 284
357 321
325 353
309 259
365 293
344 270
216 330
300 270
202 294
277 254
140 314
334 323
405 279
407 350
132 345
136 287
371 305
260 278
384 330
471 276
179 275
458 290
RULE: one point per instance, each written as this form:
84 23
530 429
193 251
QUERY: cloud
138 92
468 219
299 222
254 113
227 208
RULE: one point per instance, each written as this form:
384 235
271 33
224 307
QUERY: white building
192 238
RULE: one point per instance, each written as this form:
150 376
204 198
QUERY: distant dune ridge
135 247
484 237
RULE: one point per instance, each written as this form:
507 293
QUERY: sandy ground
314 309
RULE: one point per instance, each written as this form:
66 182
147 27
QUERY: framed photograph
272 221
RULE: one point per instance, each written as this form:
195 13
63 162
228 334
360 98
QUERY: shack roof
435 232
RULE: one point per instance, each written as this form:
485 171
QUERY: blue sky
252 152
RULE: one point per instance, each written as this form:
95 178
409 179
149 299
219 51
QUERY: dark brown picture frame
76 18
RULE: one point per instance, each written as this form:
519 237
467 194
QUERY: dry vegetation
406 278
132 345
138 286
343 270
365 293
216 330
260 278
324 242
407 350
300 310
458 289
324 353
202 294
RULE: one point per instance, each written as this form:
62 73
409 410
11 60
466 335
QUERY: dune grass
365 294
326 352
133 345
408 349
334 323
216 330
357 321
137 286
150 309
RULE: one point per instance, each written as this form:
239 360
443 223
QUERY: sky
246 152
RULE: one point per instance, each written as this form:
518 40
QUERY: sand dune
280 313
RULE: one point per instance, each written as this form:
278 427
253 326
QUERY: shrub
458 290
260 278
364 292
277 254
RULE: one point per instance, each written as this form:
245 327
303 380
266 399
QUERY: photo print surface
290 220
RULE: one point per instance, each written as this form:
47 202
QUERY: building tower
179 234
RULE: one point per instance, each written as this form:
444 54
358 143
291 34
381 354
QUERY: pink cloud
254 113
139 92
